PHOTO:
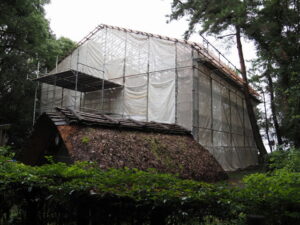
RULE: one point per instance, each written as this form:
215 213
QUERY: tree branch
226 35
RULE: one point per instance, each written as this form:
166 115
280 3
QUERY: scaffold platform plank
85 82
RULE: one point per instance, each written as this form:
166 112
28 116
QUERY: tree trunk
257 137
267 123
273 108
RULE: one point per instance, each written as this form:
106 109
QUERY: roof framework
210 53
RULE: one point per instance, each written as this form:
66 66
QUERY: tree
274 25
215 17
267 72
25 38
260 84
55 49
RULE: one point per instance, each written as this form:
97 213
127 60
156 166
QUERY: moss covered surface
110 148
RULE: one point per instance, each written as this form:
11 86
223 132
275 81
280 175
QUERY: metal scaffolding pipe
35 94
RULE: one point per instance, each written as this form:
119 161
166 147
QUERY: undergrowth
57 193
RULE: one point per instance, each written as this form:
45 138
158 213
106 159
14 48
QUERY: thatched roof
128 143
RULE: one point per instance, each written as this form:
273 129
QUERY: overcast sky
76 18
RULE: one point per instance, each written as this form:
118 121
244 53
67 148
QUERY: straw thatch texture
111 148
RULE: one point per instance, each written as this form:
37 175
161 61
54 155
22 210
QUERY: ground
235 178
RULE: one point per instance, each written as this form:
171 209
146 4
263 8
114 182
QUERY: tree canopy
25 39
275 29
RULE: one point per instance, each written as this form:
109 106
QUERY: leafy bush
58 193
125 192
275 195
6 151
288 159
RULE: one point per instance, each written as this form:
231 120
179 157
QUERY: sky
74 19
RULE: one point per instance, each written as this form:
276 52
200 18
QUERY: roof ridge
163 37
71 116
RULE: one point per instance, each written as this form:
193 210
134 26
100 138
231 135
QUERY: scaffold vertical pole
195 98
83 100
62 97
47 91
104 61
230 120
148 81
56 64
124 73
211 110
54 93
35 94
80 103
176 84
76 79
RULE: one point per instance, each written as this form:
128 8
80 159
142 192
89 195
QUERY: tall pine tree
274 25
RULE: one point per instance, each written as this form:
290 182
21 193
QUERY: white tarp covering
156 78
162 97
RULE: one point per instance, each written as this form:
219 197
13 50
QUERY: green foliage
148 190
25 38
55 49
57 192
83 176
276 196
6 151
23 29
85 140
285 159
158 149
214 16
50 159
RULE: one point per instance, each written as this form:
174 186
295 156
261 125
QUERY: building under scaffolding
146 77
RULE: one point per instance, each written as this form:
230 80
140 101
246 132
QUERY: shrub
275 195
288 159
127 194
58 193
6 151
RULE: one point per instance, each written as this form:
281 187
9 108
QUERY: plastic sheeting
205 107
161 106
184 99
158 82
53 96
224 126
